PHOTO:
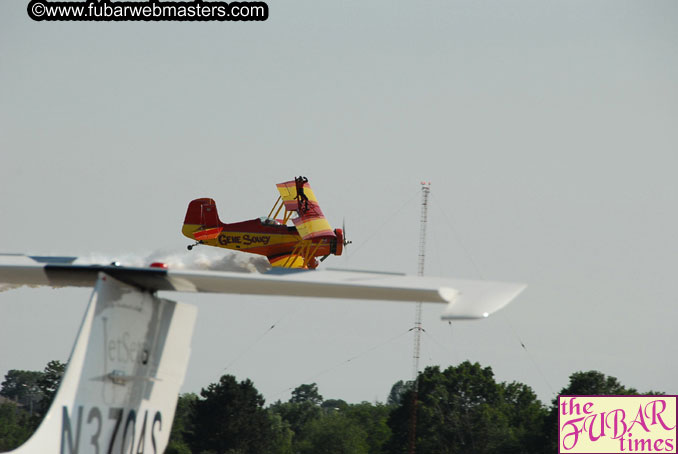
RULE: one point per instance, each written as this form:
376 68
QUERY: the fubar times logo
617 424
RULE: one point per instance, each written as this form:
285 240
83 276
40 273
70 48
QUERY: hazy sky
548 131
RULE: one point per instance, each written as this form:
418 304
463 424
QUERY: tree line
461 409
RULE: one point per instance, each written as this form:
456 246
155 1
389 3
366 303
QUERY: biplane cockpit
265 220
289 246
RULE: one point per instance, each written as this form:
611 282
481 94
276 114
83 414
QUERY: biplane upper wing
288 193
311 222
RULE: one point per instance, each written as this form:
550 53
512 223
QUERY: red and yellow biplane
287 246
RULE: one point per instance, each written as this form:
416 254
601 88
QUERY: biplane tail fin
120 388
202 212
202 220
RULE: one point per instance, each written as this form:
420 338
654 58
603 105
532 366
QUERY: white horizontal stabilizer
465 299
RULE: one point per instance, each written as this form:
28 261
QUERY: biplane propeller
343 229
287 246
346 242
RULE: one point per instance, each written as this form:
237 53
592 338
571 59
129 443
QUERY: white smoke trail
201 259
5 287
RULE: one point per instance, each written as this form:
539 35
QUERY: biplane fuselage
282 244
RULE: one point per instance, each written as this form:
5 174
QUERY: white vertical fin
120 389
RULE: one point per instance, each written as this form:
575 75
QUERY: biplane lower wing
287 261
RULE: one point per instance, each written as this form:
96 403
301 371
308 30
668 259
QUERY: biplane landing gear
191 246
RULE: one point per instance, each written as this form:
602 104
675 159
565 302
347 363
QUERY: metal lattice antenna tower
425 190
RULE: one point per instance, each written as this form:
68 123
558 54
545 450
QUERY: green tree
591 382
48 383
296 415
306 393
398 389
330 405
334 433
464 410
282 434
182 426
33 390
373 420
526 419
32 393
594 382
332 425
21 386
15 426
302 408
230 418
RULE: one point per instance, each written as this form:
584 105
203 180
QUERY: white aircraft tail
120 388
119 391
